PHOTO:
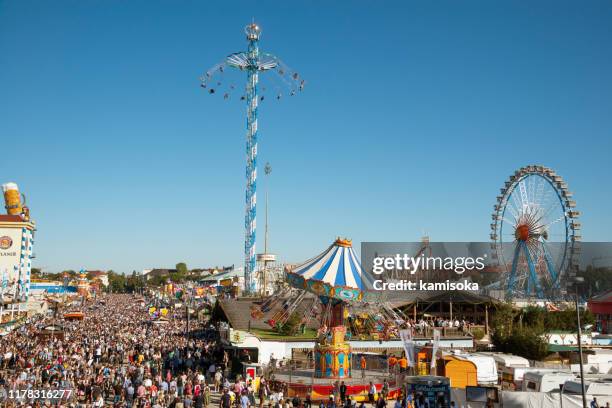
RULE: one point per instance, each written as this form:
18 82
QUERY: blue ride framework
536 214
253 62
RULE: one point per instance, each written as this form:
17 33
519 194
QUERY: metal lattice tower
253 62
250 218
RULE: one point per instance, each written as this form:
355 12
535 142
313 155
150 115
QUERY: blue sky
413 116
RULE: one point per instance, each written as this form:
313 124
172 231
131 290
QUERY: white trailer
546 381
506 360
486 367
601 386
512 377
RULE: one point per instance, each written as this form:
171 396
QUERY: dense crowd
114 356
119 355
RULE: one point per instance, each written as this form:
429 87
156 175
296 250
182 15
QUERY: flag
408 343
4 279
436 344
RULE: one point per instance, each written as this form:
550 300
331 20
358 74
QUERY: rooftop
13 218
605 297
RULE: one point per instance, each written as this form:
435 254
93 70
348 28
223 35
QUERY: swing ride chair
283 81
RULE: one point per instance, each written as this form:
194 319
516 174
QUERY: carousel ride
330 290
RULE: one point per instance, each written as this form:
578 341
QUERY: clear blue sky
414 115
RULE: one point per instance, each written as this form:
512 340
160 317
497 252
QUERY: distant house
601 307
227 276
101 275
566 338
157 273
149 274
212 271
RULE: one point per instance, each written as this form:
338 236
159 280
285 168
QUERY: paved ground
305 376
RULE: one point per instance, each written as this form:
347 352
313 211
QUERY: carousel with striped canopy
337 278
340 307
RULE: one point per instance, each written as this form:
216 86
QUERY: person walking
206 396
244 400
342 391
217 380
371 393
385 389
362 364
262 392
226 399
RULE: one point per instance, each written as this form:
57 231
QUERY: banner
11 242
4 279
436 344
408 343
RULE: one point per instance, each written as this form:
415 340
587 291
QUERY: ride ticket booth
433 389
250 371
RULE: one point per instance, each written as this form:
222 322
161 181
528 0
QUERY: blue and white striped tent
336 273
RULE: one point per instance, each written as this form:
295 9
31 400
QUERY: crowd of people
115 356
120 355
423 325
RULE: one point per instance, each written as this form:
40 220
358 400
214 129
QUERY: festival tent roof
605 297
460 297
337 265
402 299
336 272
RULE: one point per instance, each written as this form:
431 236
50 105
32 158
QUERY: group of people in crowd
119 356
377 397
116 356
423 325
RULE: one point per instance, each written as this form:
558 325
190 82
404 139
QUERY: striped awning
336 272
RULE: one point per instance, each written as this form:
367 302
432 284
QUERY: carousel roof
337 265
336 272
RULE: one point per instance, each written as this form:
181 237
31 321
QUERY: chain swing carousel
339 284
336 277
329 292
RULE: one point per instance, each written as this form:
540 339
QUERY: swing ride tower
252 62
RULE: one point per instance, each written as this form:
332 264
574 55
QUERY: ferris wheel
535 233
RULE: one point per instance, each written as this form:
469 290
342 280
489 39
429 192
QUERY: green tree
116 282
596 280
158 280
134 282
540 319
533 317
503 319
181 272
519 332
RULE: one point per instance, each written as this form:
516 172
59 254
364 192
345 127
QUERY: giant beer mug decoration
14 201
